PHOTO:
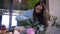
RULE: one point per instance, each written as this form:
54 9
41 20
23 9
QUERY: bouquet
26 22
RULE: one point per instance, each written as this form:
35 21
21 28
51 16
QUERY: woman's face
38 9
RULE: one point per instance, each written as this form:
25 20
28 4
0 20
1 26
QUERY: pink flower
30 31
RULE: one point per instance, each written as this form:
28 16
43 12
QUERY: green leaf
31 3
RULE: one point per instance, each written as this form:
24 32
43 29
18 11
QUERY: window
5 20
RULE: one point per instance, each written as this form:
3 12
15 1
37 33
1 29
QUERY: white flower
41 28
16 32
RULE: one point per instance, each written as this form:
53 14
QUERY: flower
41 28
30 31
26 22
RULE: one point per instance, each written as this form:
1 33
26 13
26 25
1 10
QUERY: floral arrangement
25 22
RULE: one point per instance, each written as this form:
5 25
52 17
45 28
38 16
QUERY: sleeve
23 16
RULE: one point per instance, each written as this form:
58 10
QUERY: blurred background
16 7
9 9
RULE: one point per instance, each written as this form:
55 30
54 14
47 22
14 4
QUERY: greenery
31 3
1 4
27 23
55 23
54 20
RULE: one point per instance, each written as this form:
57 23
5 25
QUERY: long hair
41 16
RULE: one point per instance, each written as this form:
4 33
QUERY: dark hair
2 27
41 16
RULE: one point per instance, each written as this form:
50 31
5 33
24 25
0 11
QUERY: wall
54 9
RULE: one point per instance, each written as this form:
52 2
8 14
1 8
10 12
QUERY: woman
36 15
